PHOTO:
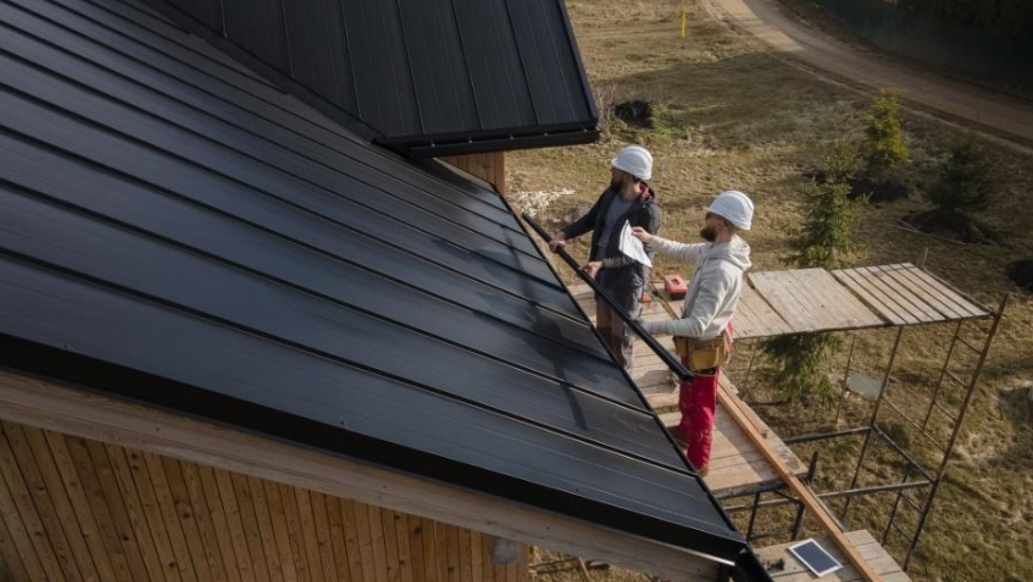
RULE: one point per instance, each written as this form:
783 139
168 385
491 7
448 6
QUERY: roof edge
73 409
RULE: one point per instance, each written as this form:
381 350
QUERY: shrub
884 148
825 240
965 182
883 175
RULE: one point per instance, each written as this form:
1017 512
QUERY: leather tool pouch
704 355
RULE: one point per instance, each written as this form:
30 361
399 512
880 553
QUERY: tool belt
704 355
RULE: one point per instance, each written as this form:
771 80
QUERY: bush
883 175
1021 272
884 148
825 240
800 364
826 237
965 182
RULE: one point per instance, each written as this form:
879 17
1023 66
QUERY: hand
592 268
557 242
641 234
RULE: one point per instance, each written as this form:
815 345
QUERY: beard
708 233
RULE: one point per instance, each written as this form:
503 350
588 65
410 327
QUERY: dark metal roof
175 230
426 77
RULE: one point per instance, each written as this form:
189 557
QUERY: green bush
884 148
885 156
965 182
825 240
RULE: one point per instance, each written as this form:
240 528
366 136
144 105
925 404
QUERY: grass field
727 114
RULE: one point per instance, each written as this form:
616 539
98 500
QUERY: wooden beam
62 407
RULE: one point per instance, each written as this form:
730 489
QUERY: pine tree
965 182
826 241
884 146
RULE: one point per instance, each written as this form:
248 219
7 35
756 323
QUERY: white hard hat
735 207
635 160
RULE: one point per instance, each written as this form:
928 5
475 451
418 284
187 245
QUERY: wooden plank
870 550
136 466
53 508
416 545
887 302
465 558
249 568
102 483
477 556
369 568
15 569
921 306
874 278
278 521
874 298
454 568
223 530
249 523
308 530
19 533
50 557
184 510
326 551
209 537
351 539
167 510
295 529
340 549
376 534
63 407
270 548
431 551
98 530
843 309
772 286
908 276
405 559
388 524
948 291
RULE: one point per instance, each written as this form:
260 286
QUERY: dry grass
729 115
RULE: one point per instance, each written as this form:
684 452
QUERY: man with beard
703 333
628 199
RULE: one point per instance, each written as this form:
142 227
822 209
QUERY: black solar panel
175 230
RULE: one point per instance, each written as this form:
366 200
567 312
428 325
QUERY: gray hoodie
715 288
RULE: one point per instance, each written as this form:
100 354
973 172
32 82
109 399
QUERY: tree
884 152
884 145
965 183
825 240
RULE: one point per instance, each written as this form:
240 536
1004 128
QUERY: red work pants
697 400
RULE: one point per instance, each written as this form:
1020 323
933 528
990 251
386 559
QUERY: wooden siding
76 509
490 167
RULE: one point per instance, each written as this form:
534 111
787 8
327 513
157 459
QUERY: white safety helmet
735 207
635 160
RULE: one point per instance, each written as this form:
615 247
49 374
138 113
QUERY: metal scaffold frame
916 476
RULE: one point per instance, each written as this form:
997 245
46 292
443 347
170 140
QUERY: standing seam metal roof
177 231
427 77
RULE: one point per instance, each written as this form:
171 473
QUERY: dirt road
998 115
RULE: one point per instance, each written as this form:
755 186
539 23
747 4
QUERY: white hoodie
714 291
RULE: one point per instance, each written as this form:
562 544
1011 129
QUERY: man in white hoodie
710 304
